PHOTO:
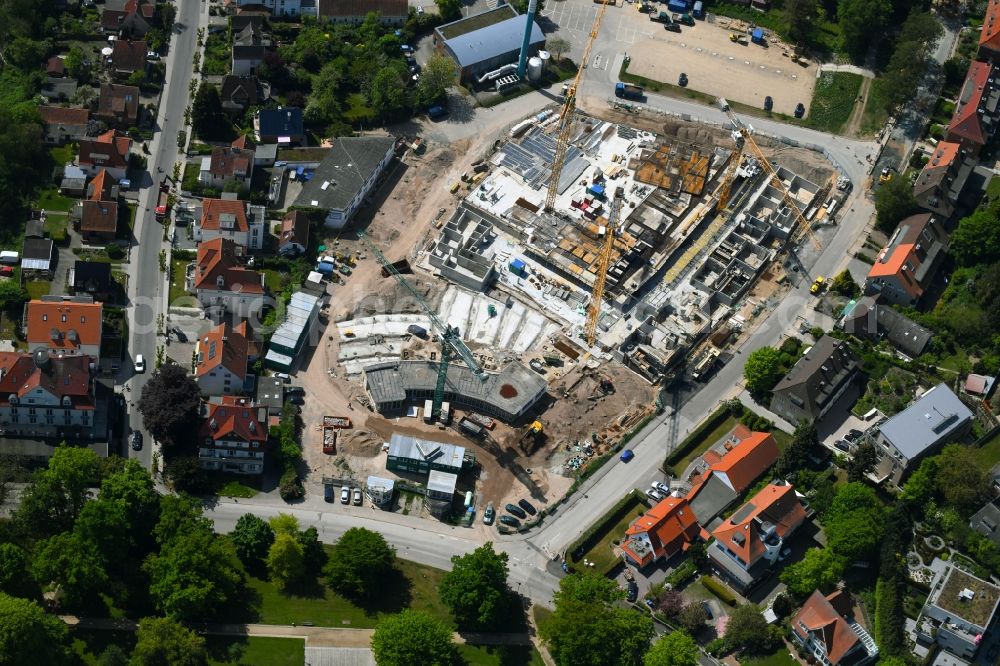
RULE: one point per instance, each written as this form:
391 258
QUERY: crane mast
594 309
451 341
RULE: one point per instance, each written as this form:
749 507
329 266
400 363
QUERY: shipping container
428 410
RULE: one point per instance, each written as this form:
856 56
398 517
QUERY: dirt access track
720 67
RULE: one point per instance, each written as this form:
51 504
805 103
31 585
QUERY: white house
227 164
219 280
47 396
234 220
222 356
233 437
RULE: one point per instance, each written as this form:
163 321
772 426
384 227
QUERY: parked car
627 455
510 521
800 110
489 515
283 376
527 506
6 270
842 445
296 399
357 497
682 81
768 103
516 510
295 390
654 494
140 363
345 495
136 440
179 334
152 55
708 609
632 592
328 492
662 487
853 435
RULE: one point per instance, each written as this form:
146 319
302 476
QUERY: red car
6 270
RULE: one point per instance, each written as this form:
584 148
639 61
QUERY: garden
833 101
594 550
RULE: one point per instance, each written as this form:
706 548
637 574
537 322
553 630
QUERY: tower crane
568 110
594 309
451 341
748 142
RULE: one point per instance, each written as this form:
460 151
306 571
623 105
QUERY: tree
439 74
284 523
893 202
361 559
449 10
955 69
169 404
588 629
112 656
845 285
179 515
860 21
252 538
132 487
207 116
314 555
795 455
285 560
193 576
475 590
71 564
863 461
29 635
13 570
854 522
12 295
959 479
675 649
819 569
802 17
762 371
692 617
671 603
53 501
558 46
747 630
105 525
161 641
782 606
388 92
413 637
976 240
919 488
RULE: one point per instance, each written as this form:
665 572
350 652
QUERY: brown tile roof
116 100
228 161
111 19
217 259
55 66
225 346
746 461
967 122
63 324
129 56
234 419
100 187
241 89
294 229
59 115
108 150
99 217
360 8
224 213
68 376
776 504
670 522
819 617
244 142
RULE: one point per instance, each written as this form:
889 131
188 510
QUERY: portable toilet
699 10
758 36
517 267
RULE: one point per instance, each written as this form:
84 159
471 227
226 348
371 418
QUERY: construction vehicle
704 363
163 200
451 341
745 132
532 438
662 17
685 19
566 116
629 91
739 39
596 298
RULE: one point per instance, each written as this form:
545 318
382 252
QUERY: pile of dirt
359 443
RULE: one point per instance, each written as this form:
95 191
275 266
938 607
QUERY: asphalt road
146 282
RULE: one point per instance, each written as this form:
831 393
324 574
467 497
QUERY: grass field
874 116
778 658
38 288
499 655
50 199
225 650
988 454
601 553
233 488
833 100
177 268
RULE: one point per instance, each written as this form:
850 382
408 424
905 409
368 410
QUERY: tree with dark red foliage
169 407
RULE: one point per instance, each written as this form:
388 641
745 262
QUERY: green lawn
833 100
499 655
781 438
602 553
38 288
234 488
414 586
710 438
50 199
177 268
988 454
189 182
358 109
779 658
224 650
993 189
275 280
875 114
61 154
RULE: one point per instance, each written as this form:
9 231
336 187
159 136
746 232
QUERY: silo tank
534 68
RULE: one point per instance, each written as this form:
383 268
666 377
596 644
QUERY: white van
10 257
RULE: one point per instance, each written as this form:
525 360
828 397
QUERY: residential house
233 220
220 281
281 126
118 105
108 151
124 24
99 221
391 12
37 257
271 395
55 67
868 319
986 521
226 165
102 187
294 238
222 356
92 278
249 48
942 180
662 532
62 125
973 123
958 611
64 326
347 175
73 182
239 93
989 35
50 397
289 8
244 142
233 437
750 541
979 386
295 333
906 266
826 628
441 492
936 418
128 57
816 381
727 469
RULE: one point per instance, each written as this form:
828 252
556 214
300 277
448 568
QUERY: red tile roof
745 462
224 346
989 36
776 504
108 150
224 213
100 187
129 56
58 115
99 217
966 123
294 229
900 251
227 161
67 376
244 142
62 325
668 525
116 100
234 419
112 18
217 259
819 617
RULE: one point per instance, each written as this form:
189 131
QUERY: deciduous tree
864 460
692 617
439 74
361 559
449 10
819 569
285 560
207 116
54 499
13 569
893 202
388 93
762 370
558 46
169 404
960 480
845 285
161 641
854 522
675 649
860 20
252 537
475 590
802 17
71 564
977 238
29 635
413 637
747 630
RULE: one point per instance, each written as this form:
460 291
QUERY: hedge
682 574
623 506
719 590
698 434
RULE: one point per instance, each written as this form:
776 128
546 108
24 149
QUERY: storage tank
545 57
534 68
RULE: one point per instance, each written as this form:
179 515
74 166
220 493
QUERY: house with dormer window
222 358
826 628
48 396
64 327
233 436
906 266
234 220
220 280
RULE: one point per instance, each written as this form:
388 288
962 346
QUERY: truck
704 364
482 420
628 91
329 440
686 19
662 17
163 201
337 422
419 331
739 39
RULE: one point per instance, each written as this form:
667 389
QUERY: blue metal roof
492 41
281 122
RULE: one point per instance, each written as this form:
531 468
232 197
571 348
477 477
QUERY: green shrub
115 251
290 487
616 513
719 590
682 574
698 434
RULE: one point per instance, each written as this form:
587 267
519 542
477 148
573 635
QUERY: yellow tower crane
568 110
603 262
